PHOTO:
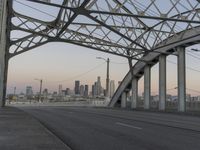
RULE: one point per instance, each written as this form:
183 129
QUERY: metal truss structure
128 28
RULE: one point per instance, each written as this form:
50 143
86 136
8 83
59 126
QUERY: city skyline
62 62
82 91
20 74
76 88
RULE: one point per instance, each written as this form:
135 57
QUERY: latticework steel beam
128 28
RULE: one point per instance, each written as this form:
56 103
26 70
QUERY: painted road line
127 125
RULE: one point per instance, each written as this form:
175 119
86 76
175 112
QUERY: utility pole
107 78
107 75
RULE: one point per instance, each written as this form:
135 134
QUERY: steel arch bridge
143 30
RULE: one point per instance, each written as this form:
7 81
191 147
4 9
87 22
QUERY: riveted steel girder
128 28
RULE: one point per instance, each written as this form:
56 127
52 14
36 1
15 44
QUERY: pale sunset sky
62 63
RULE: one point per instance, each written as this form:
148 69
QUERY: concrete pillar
134 97
3 47
162 82
147 86
181 80
123 100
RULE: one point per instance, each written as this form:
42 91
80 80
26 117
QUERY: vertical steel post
134 97
181 80
162 82
147 86
5 15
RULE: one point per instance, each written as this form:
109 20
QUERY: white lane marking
127 125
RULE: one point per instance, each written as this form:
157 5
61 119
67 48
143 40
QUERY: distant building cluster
84 91
80 90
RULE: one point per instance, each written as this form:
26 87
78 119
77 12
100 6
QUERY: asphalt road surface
107 129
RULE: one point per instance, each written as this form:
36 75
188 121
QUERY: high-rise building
77 88
29 91
95 88
86 92
68 92
55 93
112 88
99 88
93 92
60 89
82 90
45 93
64 92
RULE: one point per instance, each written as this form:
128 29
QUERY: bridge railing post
162 82
181 80
134 91
147 86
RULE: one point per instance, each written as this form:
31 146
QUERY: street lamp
39 96
107 75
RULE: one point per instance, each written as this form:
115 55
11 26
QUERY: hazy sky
62 63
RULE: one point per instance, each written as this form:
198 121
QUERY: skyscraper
93 90
112 88
29 91
86 90
99 88
77 88
60 89
82 90
68 92
45 93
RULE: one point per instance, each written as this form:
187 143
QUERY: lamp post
107 75
40 92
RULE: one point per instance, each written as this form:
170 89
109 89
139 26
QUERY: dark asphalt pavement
108 129
20 131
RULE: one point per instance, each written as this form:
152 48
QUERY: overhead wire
193 90
82 74
35 9
189 68
192 55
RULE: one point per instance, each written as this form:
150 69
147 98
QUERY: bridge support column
181 80
162 82
147 86
3 47
134 97
124 100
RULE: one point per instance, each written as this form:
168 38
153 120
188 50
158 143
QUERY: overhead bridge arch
174 45
142 30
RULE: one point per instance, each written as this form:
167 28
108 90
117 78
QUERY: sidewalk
19 131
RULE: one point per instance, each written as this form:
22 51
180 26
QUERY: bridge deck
20 131
115 129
